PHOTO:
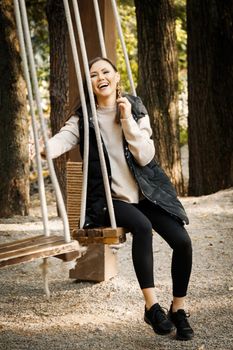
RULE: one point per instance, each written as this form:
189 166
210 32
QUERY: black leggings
139 219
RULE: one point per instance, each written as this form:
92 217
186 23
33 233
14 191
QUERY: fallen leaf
202 347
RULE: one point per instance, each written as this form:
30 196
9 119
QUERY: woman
143 196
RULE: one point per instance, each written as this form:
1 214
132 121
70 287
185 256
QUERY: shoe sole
157 331
178 337
190 337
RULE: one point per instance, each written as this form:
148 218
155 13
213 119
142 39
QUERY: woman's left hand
124 107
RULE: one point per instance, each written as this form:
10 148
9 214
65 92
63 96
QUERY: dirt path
109 315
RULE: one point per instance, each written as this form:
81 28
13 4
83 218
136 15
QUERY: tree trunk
58 37
14 155
158 81
210 82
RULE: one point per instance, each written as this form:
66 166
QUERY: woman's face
104 80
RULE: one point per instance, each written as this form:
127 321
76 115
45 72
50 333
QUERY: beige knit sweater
137 135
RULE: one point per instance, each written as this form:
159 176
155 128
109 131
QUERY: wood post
98 264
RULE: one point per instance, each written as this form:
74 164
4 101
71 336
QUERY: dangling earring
96 103
118 95
118 90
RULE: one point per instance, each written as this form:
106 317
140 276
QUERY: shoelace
182 318
160 314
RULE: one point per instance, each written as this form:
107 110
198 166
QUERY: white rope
100 28
42 196
44 267
59 198
84 109
94 115
120 33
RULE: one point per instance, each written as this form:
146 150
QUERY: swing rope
100 28
41 186
121 37
94 116
54 180
84 109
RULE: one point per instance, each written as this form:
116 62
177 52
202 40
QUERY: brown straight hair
97 59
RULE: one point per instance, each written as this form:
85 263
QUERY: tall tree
14 155
210 81
158 80
59 88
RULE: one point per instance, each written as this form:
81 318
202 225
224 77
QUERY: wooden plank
33 247
90 240
75 179
101 232
51 251
70 256
26 242
74 192
43 252
103 240
114 232
74 208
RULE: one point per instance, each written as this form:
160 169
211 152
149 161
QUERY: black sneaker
180 320
156 317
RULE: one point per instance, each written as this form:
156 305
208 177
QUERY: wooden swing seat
105 235
29 249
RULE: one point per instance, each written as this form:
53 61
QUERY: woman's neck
109 101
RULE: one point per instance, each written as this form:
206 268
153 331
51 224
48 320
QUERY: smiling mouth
103 85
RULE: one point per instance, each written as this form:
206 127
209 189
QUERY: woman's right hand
32 150
124 107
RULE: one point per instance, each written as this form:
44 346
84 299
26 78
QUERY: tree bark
158 81
14 155
58 37
210 82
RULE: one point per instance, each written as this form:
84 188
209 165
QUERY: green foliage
126 2
180 10
128 22
183 136
181 33
36 10
181 43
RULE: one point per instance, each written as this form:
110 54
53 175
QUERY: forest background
188 73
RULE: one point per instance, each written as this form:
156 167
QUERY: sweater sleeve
66 139
138 136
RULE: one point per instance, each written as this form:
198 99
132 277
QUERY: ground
109 315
